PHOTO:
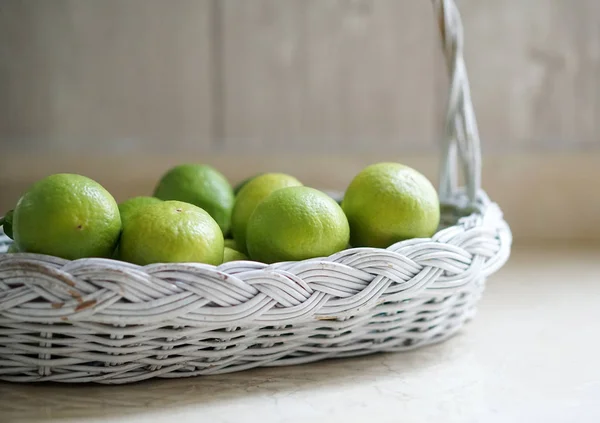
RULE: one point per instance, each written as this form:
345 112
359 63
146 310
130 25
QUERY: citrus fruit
68 216
128 207
233 255
250 196
231 244
243 183
296 223
389 202
7 223
202 186
171 232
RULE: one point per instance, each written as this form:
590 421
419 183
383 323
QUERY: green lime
128 207
296 223
68 216
202 186
389 202
231 244
250 196
171 232
7 223
233 255
243 183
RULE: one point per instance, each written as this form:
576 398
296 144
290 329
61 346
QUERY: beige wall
248 83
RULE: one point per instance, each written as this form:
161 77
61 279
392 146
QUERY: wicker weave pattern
96 320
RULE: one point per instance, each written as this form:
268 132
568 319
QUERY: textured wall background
93 85
205 75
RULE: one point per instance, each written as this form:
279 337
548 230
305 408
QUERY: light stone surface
530 355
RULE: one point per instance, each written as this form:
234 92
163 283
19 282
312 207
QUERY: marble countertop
531 354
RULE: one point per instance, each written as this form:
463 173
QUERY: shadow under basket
106 321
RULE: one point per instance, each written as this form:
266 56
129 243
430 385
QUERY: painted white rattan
96 320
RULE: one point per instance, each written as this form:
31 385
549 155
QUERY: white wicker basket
96 320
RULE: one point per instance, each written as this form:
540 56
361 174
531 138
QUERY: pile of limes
195 215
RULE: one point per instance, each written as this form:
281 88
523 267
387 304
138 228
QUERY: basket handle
461 132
